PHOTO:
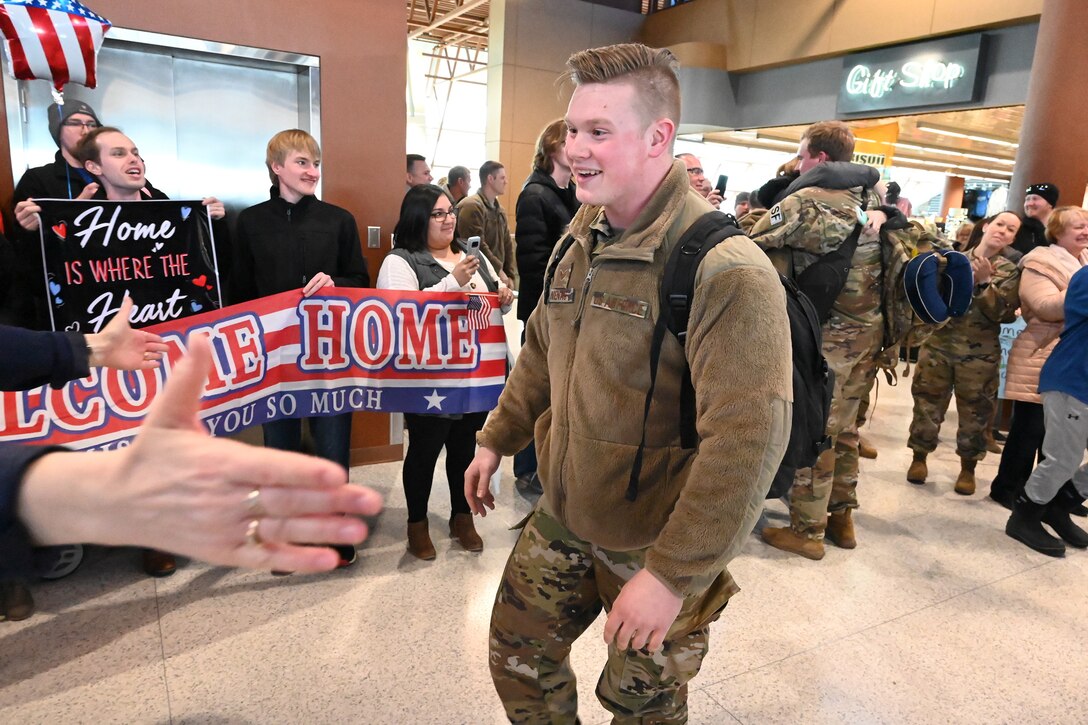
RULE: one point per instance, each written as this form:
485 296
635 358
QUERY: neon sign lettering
865 81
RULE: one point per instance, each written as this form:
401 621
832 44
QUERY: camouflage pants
850 354
974 380
553 587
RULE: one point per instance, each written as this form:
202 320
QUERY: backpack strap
560 251
823 280
674 309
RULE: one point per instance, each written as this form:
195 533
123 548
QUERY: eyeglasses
696 171
74 123
440 216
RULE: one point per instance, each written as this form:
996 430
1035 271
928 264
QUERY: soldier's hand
642 613
478 481
876 220
982 269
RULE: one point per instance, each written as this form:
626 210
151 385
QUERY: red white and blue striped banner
288 357
53 40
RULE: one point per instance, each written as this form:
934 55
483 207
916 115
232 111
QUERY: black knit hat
1047 191
59 114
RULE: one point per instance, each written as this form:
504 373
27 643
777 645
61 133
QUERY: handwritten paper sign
160 253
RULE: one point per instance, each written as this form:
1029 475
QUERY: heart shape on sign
199 281
54 288
196 306
185 211
207 286
59 301
61 230
74 327
157 247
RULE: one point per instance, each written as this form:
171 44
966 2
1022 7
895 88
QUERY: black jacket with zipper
280 246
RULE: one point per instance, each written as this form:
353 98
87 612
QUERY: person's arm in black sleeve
29 358
352 271
16 553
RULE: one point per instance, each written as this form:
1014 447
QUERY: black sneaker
347 553
528 484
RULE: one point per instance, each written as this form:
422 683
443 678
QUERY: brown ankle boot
840 529
794 542
419 541
462 529
917 472
965 484
865 448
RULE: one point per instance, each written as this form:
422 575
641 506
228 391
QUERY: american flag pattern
479 312
56 40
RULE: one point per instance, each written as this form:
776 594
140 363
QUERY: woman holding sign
426 259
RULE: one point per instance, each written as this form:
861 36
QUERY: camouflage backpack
902 241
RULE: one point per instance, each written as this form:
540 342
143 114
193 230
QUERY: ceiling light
960 133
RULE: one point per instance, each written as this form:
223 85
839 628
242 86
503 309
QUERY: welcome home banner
285 356
161 253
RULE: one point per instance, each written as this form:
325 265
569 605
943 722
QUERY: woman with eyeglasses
426 258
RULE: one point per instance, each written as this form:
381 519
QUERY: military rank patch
776 215
624 305
562 276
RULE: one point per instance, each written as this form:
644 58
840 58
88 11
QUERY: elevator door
200 113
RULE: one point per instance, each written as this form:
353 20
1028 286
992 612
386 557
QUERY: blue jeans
331 434
525 461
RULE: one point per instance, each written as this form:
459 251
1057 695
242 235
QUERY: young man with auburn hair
295 241
651 549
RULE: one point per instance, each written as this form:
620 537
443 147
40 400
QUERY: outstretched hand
119 346
178 489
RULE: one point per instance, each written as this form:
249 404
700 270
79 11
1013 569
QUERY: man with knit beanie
1039 201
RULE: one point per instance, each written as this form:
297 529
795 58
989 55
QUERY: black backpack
813 381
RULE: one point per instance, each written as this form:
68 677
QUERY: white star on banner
434 400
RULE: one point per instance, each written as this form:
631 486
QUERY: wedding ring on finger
253 503
253 538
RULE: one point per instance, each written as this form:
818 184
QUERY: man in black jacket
544 209
295 240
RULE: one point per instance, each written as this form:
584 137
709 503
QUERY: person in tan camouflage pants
963 357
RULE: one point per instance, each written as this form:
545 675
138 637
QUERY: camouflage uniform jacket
813 221
978 332
583 372
477 217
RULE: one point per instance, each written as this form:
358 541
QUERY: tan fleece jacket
583 374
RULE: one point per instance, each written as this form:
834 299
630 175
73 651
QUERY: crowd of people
630 517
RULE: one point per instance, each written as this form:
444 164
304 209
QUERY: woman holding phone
426 258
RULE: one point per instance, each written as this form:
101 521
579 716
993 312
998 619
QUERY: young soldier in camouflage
964 355
652 553
819 212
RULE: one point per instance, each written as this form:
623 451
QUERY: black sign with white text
934 72
159 253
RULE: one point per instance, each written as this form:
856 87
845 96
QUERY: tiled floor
936 617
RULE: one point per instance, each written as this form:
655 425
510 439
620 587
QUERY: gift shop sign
931 73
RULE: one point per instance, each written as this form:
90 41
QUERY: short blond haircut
1061 219
285 142
654 72
834 138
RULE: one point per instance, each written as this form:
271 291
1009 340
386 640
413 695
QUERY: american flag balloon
479 312
53 40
